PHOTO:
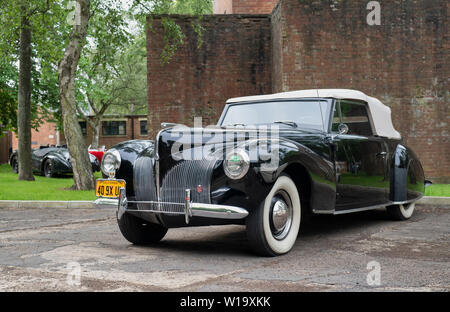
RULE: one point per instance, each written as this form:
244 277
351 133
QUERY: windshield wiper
287 122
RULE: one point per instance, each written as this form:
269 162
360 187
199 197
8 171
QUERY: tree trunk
79 156
24 99
95 134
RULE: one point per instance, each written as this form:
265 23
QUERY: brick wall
46 134
253 6
324 44
404 62
277 44
233 60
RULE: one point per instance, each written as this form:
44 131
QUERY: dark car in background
50 161
335 151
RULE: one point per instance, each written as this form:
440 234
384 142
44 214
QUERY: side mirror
342 128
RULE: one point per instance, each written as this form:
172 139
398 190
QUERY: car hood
178 139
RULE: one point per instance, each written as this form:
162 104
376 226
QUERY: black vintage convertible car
50 161
270 161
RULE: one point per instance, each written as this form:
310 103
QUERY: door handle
382 154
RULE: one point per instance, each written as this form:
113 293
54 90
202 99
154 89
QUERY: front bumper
190 209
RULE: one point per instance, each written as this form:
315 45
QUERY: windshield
305 113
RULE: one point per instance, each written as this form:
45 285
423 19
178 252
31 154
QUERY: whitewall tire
272 229
401 212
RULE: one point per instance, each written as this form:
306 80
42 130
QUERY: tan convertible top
381 114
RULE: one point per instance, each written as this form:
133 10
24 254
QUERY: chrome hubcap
281 215
48 169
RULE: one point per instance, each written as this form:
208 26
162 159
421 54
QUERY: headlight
110 162
236 164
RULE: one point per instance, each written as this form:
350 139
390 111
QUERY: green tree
18 19
48 38
23 36
98 69
8 97
112 76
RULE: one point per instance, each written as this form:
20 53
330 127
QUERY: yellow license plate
109 188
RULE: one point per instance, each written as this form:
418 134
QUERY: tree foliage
111 69
112 75
47 39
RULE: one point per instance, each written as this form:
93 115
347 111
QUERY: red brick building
47 134
115 129
265 47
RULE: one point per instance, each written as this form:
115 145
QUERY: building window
83 127
114 127
143 127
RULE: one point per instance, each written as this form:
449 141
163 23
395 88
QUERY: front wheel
273 228
48 169
401 212
139 231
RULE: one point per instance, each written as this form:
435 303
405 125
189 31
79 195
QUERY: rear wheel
401 212
139 231
273 228
15 165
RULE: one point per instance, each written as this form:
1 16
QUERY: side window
336 119
355 116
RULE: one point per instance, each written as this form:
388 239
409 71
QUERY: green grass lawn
442 190
41 189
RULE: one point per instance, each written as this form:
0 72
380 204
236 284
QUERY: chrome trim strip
406 201
389 203
377 206
339 212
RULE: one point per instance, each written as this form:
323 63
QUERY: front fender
129 152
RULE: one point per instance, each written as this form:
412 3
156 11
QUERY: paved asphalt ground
331 254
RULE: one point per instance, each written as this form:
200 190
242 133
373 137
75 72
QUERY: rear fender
407 180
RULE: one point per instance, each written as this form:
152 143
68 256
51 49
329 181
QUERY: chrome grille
184 175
